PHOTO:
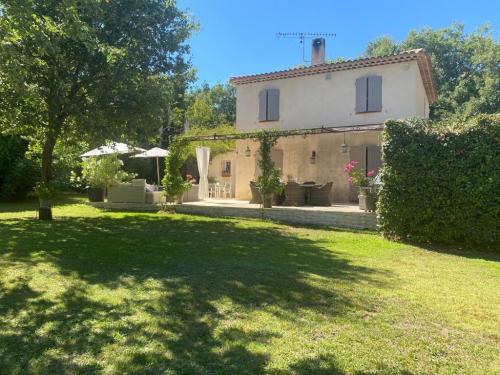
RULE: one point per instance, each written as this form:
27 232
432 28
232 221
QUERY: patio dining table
307 189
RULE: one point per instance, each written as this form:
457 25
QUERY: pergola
277 134
286 133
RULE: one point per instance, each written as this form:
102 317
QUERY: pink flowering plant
357 176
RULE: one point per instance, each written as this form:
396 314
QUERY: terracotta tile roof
420 55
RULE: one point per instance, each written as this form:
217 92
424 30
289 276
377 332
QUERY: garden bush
441 182
18 174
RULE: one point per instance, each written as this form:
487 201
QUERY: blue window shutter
374 93
263 105
361 94
374 161
273 104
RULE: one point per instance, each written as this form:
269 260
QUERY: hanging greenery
217 147
269 181
173 183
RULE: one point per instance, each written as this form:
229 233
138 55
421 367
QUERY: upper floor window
369 94
269 105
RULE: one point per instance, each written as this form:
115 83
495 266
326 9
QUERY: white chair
211 190
226 190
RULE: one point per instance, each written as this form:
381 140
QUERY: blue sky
237 37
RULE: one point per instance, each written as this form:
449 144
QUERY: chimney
318 51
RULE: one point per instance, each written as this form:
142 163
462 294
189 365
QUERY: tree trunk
47 155
45 213
55 122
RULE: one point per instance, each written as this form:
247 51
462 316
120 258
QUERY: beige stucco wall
421 98
297 150
322 100
329 99
215 169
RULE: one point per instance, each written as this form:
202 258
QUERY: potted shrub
269 181
268 185
367 193
174 185
45 194
101 173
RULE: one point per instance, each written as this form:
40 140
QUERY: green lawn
120 293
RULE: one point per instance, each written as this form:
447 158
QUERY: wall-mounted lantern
248 152
343 146
313 157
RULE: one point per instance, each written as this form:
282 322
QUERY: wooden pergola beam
286 133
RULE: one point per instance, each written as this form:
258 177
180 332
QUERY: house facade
348 101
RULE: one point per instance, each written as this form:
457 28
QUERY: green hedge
441 182
18 174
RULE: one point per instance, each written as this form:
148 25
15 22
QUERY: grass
133 293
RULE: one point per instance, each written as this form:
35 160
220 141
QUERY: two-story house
351 98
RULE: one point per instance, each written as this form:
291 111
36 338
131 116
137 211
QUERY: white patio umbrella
112 148
157 153
203 159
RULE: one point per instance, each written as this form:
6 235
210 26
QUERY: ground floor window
226 168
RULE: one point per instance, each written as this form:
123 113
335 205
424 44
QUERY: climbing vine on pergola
268 182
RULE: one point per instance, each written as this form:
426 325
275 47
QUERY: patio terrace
341 215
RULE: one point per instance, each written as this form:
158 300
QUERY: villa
344 105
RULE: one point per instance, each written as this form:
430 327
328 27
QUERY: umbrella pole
158 170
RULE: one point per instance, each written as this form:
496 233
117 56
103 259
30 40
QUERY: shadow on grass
187 283
32 203
470 252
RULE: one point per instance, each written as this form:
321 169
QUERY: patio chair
320 196
226 190
294 195
256 197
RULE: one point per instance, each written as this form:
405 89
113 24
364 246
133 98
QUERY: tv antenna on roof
302 37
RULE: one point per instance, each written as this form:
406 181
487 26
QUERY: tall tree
211 106
382 46
92 68
465 66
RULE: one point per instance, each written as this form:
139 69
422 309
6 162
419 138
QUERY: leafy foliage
18 174
173 183
269 181
382 46
96 70
104 171
216 147
440 185
210 107
44 191
357 175
465 67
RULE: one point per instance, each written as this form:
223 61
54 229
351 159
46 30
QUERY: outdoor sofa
136 191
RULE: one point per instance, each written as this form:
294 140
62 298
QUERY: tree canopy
211 106
466 67
87 68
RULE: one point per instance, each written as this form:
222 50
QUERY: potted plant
45 194
367 192
268 185
269 181
101 173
